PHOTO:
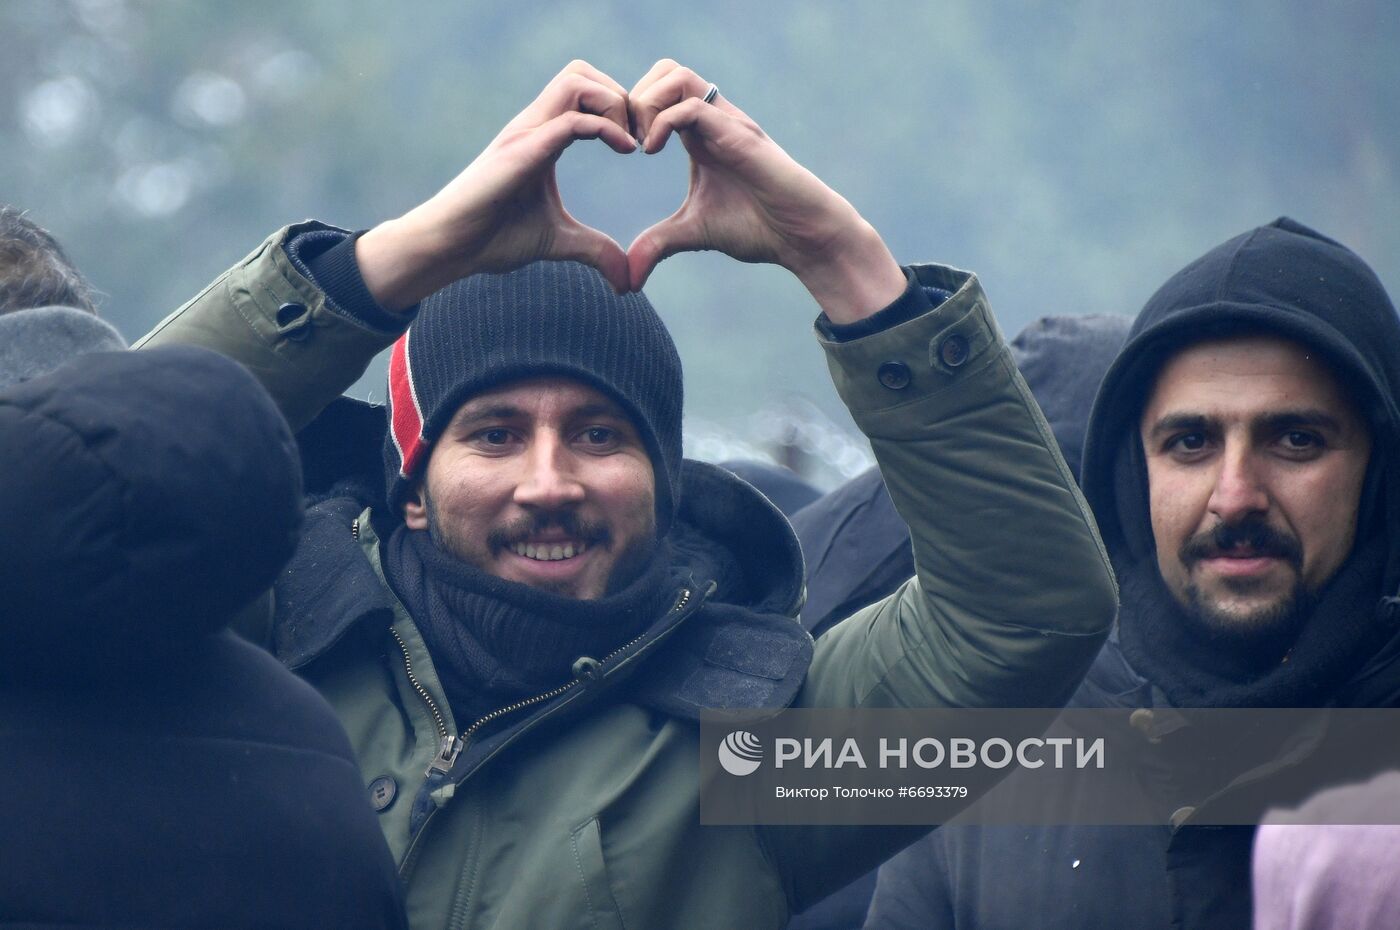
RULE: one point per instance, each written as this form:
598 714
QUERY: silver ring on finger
711 93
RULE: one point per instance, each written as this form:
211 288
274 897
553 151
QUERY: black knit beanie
547 318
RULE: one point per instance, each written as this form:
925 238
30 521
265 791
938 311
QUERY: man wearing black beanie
1242 461
522 623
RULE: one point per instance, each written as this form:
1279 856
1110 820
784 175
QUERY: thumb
676 233
580 243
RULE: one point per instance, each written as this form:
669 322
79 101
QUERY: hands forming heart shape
747 198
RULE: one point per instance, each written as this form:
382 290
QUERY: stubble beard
1271 626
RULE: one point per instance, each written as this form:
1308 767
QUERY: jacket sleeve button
294 321
1142 720
954 350
382 792
289 313
894 375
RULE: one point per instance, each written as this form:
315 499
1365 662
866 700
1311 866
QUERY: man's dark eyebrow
1294 419
1269 422
600 409
470 414
1180 422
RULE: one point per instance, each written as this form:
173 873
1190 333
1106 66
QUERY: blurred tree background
1073 153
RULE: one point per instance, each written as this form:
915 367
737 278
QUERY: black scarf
1341 632
495 641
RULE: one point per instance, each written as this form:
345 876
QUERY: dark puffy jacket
1282 278
156 771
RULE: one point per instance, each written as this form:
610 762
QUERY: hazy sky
1073 154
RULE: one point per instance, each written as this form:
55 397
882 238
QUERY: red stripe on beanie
405 417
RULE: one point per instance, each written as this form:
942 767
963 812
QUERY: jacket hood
1063 358
149 496
780 484
35 342
728 530
1283 279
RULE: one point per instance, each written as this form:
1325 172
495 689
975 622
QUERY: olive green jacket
594 822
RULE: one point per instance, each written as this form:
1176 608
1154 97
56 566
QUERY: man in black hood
1292 550
155 769
1241 462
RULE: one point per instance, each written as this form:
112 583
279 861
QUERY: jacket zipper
444 738
418 686
452 746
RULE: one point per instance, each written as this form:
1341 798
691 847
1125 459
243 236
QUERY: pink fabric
1315 868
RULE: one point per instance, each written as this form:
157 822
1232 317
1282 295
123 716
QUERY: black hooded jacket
1282 279
155 770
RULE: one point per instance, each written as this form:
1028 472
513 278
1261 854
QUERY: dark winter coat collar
1113 681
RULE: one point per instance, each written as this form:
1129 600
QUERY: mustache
568 523
1259 539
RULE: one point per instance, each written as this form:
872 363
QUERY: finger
677 84
676 233
692 114
581 67
658 70
566 128
576 242
661 68
583 94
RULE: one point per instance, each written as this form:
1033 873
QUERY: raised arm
1013 593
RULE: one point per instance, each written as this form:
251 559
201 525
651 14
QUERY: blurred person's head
34 269
47 315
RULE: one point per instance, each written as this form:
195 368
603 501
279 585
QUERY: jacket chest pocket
603 911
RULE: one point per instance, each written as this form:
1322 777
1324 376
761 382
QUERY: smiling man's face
1256 458
545 482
